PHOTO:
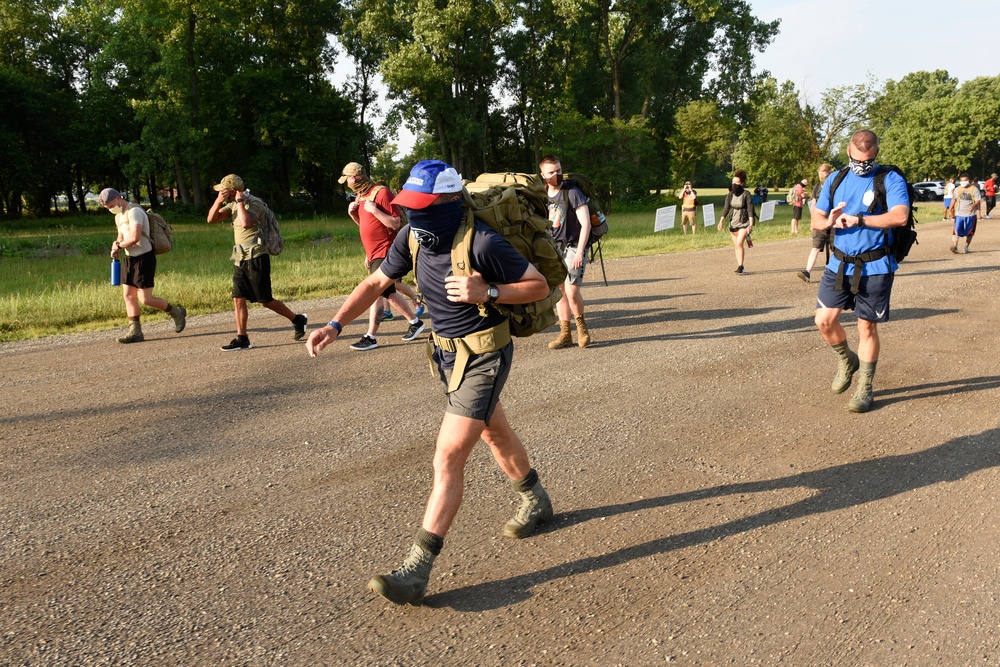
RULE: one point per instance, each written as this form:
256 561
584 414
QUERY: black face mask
434 227
737 189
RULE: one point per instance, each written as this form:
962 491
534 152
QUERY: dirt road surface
172 504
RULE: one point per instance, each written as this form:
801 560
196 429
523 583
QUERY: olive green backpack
519 214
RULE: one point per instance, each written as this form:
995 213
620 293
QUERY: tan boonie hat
352 169
230 182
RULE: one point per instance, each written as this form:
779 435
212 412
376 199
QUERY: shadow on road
836 488
958 269
933 389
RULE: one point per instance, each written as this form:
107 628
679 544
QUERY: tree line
176 93
929 126
638 94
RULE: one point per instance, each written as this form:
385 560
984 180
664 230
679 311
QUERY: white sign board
709 213
767 210
665 218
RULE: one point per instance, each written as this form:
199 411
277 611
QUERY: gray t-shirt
967 200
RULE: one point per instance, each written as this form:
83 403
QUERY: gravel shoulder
171 504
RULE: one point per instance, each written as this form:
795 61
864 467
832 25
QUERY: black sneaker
804 275
739 270
414 330
299 323
238 343
366 343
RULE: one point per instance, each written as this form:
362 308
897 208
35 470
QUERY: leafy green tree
702 143
777 147
941 135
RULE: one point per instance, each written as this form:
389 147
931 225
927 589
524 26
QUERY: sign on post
665 218
709 213
767 210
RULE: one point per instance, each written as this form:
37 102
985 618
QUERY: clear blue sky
840 42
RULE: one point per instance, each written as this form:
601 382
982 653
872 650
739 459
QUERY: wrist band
336 325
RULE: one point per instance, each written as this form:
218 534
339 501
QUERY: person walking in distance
949 194
965 211
738 206
820 238
800 199
252 263
378 221
139 265
569 217
471 355
860 273
990 187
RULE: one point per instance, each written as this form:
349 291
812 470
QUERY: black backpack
903 237
598 208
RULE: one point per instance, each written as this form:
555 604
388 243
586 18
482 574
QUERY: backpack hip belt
858 261
480 342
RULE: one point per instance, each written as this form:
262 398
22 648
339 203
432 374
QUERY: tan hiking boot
409 583
582 334
846 369
535 508
180 318
134 334
565 338
862 399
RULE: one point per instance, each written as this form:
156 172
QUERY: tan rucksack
518 214
161 235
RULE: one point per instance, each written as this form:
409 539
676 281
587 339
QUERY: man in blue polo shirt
472 354
860 273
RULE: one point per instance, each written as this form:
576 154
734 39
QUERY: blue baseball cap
428 179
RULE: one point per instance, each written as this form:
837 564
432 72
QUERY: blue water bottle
116 273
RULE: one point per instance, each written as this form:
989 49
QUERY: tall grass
55 274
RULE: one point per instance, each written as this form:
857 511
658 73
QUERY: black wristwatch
240 201
861 219
492 293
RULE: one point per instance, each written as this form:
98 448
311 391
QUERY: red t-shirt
376 237
991 188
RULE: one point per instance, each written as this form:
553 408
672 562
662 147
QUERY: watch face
493 293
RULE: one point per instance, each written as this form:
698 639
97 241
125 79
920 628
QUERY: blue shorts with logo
965 225
871 303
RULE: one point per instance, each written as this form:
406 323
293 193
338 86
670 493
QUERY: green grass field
55 273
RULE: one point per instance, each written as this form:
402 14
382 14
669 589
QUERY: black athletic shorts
139 271
252 279
797 212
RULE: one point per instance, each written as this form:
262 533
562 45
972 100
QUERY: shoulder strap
837 180
461 246
878 186
414 249
370 195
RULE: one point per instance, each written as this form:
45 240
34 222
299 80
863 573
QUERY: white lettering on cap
413 180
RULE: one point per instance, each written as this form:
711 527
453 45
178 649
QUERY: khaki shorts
478 394
574 277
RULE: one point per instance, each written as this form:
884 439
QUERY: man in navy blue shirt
859 246
472 354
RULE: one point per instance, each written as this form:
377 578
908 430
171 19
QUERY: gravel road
171 504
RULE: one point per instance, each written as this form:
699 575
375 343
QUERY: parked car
937 187
924 194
